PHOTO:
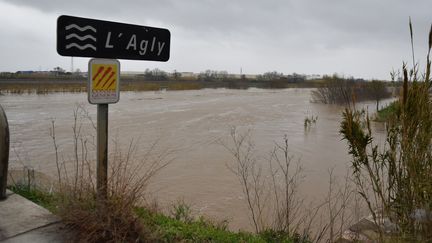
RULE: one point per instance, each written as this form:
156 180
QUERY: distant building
313 76
188 75
131 73
24 72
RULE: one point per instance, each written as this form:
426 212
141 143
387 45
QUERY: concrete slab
19 215
51 233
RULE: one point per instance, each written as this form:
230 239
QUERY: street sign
103 81
81 37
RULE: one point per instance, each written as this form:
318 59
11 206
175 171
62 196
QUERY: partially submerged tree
378 91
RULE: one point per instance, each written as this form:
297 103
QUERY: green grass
44 199
169 229
201 230
387 112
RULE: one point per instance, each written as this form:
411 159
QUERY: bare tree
286 175
249 175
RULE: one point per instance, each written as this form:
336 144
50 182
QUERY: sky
360 38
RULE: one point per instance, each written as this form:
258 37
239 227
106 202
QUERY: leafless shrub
113 219
339 200
57 162
273 197
286 176
250 175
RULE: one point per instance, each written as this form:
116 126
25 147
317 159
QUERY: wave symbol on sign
81 38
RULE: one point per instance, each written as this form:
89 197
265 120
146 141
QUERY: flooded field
195 125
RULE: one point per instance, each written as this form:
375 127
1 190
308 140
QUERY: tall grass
113 219
395 179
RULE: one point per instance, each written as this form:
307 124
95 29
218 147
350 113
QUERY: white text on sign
142 46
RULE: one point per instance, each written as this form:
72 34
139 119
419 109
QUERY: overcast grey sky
363 38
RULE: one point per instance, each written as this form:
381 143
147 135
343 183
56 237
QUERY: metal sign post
103 89
102 151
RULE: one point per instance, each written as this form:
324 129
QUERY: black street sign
81 37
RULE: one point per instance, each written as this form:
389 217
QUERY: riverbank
387 112
155 226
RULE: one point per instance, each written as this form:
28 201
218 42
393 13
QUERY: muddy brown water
193 124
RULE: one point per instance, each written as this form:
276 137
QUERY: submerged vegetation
337 90
309 120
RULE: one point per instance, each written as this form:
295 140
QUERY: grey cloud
355 20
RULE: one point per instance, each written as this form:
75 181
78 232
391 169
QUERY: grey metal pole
4 152
102 151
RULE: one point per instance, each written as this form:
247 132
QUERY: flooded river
194 124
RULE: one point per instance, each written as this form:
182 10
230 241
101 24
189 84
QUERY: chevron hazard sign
104 81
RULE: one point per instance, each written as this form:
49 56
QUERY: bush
395 180
112 220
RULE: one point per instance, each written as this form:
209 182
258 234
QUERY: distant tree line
276 76
211 75
155 75
332 89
